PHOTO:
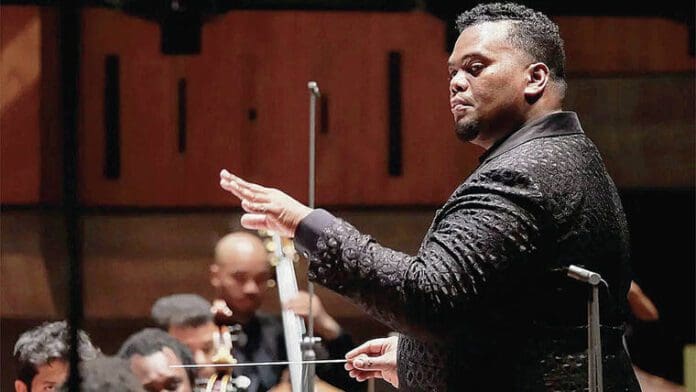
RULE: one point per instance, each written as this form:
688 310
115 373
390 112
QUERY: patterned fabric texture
485 304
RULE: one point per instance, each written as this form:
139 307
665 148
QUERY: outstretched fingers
266 208
255 221
257 207
228 183
255 192
258 221
242 189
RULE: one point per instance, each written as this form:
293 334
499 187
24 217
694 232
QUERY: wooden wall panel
31 163
153 170
26 287
248 109
274 66
606 45
644 127
131 260
29 272
147 133
247 103
435 160
353 155
20 98
352 73
129 287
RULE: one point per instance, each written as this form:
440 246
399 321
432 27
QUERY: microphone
314 88
583 275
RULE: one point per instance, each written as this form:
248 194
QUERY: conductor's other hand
266 208
374 359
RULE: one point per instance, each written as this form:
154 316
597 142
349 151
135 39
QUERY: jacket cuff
309 230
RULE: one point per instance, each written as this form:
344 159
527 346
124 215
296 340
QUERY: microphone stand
594 338
309 341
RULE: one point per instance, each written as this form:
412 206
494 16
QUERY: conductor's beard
466 130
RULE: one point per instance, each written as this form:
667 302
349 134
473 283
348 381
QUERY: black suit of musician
484 305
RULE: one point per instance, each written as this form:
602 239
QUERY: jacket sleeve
489 229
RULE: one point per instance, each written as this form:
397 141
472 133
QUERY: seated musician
42 356
151 353
239 275
107 374
188 318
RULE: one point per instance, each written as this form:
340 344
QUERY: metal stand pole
594 338
308 353
309 370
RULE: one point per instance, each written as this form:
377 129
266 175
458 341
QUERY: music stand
594 338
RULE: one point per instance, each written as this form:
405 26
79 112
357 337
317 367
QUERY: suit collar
554 124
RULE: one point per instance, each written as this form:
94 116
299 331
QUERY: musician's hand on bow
266 208
374 359
325 325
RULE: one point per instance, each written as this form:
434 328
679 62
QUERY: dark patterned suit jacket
485 304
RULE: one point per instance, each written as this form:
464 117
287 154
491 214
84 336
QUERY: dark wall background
662 246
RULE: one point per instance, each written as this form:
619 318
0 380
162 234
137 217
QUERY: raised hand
266 208
374 359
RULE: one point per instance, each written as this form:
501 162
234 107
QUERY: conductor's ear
538 75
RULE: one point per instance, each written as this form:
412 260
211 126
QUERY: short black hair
188 310
48 342
533 32
107 374
151 340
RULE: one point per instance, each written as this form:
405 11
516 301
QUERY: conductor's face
487 80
